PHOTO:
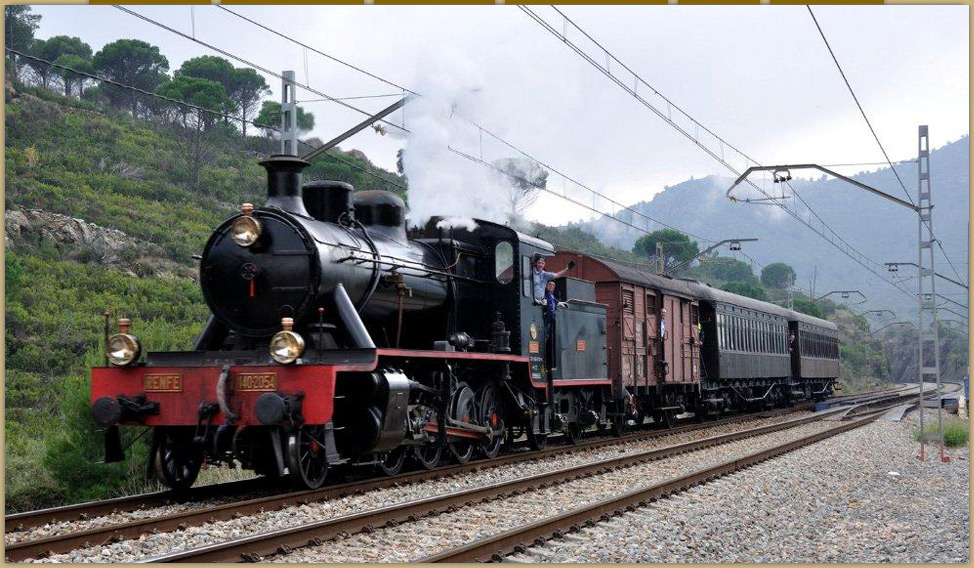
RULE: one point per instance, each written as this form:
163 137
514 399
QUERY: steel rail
29 519
256 547
497 546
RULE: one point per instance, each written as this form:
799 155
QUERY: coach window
720 331
504 262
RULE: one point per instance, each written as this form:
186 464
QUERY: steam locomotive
337 339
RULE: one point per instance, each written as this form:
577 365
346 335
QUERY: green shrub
956 432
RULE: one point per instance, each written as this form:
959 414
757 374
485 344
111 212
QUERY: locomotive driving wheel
463 409
428 455
307 459
491 416
175 461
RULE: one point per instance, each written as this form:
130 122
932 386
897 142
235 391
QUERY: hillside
879 229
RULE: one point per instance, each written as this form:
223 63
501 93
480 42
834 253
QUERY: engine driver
541 278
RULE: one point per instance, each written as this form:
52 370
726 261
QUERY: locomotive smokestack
284 183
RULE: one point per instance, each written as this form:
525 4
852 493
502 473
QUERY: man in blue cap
540 278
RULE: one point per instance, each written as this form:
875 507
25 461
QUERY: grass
956 432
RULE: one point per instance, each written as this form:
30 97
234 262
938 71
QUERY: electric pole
927 290
289 115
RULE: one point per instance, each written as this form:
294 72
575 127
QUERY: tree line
736 276
229 95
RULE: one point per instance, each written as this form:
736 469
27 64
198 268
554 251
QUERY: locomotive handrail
397 262
349 316
374 279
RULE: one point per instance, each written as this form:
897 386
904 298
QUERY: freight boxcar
653 345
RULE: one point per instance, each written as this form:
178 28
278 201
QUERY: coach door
686 348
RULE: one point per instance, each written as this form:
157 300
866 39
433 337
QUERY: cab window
526 276
504 262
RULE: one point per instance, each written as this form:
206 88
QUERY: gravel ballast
413 541
858 497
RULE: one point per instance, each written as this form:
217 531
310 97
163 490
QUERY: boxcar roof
674 286
692 289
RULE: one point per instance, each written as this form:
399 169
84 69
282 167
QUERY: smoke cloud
442 182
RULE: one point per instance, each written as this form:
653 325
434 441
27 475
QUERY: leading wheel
490 414
175 461
307 459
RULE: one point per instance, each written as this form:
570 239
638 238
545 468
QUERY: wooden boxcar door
670 355
639 336
628 336
652 345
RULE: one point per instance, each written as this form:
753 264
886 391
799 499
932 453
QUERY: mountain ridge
881 230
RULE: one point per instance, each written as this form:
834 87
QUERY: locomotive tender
336 338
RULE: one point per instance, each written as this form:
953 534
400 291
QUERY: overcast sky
758 76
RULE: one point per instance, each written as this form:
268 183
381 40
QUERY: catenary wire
669 102
876 136
855 254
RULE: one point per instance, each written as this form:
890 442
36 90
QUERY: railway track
281 542
200 512
495 547
262 545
